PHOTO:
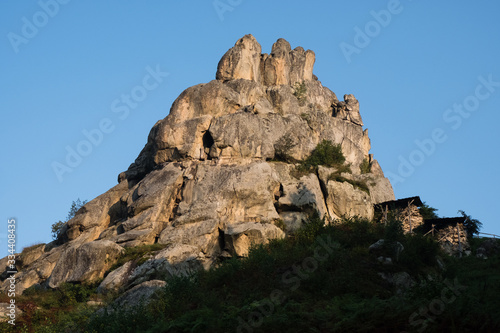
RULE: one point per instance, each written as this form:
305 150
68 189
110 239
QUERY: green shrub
365 166
326 153
280 224
300 91
311 229
322 290
419 252
283 147
427 212
359 184
472 226
57 226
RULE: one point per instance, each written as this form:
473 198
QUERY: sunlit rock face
207 183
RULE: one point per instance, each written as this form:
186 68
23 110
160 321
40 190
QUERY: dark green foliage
476 308
283 147
393 231
136 253
65 295
311 228
56 229
420 252
365 166
299 284
75 206
472 226
300 91
428 212
280 224
326 153
57 226
336 176
47 310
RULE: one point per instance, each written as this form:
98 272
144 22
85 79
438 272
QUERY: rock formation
207 184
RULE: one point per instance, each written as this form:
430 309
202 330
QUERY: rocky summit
218 174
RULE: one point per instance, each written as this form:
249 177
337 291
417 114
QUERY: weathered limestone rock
85 263
95 216
380 188
349 110
7 314
31 254
296 199
381 247
345 198
401 281
139 295
174 260
242 61
282 66
208 184
116 279
35 272
240 237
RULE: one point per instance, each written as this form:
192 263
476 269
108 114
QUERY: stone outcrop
140 295
208 185
283 66
87 262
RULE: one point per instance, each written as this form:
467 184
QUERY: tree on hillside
428 212
472 226
75 206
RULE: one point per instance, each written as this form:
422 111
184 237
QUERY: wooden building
450 233
404 210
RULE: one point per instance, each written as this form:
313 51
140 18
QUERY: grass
361 185
137 253
46 310
299 284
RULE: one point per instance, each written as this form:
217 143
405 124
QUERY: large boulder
116 279
241 237
140 295
85 263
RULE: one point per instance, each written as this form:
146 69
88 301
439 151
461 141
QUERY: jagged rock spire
282 66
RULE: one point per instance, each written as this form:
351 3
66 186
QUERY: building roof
441 223
445 221
401 203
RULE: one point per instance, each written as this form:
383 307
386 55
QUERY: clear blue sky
64 67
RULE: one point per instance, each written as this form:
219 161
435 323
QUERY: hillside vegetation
322 279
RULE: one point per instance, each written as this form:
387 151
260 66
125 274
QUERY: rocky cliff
211 180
